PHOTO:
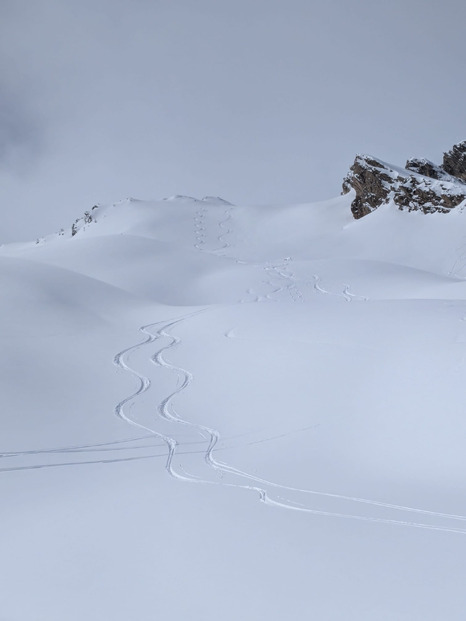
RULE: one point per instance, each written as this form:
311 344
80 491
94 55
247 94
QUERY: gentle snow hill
250 412
122 239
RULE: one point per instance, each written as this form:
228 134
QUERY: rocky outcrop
424 167
372 180
421 185
454 161
81 222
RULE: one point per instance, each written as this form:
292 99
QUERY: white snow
213 411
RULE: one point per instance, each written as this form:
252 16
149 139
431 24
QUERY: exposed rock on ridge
421 185
454 161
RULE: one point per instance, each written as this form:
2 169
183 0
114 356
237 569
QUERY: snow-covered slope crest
98 212
187 251
421 185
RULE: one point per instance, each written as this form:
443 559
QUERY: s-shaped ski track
260 486
144 384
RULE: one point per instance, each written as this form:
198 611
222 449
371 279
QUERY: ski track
283 272
260 486
79 448
346 293
227 231
120 360
200 229
152 455
280 271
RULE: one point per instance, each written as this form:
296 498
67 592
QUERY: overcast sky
258 101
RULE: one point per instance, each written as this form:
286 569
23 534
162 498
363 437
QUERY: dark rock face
372 180
421 185
454 161
425 167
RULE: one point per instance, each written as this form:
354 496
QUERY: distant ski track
199 229
151 455
75 463
290 285
120 446
349 296
227 231
280 271
78 448
346 293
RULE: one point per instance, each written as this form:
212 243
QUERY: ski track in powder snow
166 411
144 385
262 487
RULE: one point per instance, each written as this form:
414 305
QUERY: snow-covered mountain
214 411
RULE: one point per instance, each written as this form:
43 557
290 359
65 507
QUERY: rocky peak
454 161
421 185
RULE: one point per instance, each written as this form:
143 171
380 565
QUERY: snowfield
215 412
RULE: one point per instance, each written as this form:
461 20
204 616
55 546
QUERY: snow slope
221 412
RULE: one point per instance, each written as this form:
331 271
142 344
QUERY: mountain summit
420 185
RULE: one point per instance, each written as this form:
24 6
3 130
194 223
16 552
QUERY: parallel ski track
144 382
151 455
262 487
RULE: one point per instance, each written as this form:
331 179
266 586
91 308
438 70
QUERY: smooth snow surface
220 412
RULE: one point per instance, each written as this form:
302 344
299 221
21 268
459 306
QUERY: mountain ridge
420 186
